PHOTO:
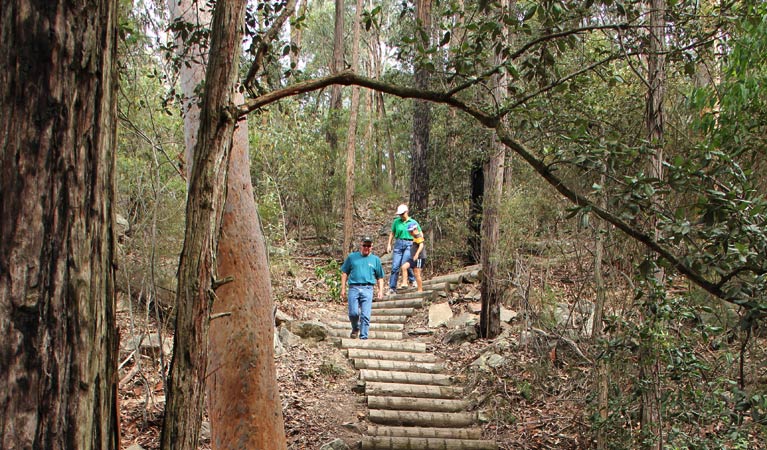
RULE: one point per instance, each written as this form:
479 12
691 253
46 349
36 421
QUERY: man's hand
343 294
388 248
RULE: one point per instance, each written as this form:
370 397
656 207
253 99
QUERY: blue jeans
400 254
360 306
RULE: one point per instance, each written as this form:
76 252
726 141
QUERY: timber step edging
398 366
414 443
403 303
340 325
382 344
417 404
425 432
385 355
422 418
376 388
388 319
391 312
405 377
372 334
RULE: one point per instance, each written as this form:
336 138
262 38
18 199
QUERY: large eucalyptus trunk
197 280
57 300
243 399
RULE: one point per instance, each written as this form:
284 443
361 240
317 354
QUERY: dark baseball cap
366 239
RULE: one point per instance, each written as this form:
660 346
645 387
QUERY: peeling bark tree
57 301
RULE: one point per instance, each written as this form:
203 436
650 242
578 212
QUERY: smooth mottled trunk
58 356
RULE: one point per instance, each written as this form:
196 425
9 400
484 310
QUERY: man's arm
344 277
380 288
388 244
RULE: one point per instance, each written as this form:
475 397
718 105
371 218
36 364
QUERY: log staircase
412 403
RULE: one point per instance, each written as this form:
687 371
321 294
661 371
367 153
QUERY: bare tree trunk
493 171
651 419
602 374
490 316
207 192
57 300
419 170
351 137
336 65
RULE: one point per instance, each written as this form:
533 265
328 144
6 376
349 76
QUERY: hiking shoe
354 334
391 292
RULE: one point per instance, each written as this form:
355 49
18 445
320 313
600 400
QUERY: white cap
401 209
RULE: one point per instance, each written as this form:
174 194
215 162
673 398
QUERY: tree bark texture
474 239
336 65
490 316
651 418
58 357
207 192
351 137
419 170
493 169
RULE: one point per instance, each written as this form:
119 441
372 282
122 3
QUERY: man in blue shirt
361 270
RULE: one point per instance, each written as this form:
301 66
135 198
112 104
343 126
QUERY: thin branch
266 40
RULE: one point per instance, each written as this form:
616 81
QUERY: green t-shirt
399 228
362 269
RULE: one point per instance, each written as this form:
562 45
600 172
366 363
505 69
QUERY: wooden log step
425 432
380 344
390 319
373 388
373 326
401 366
390 312
417 404
413 443
408 295
361 353
390 335
405 303
422 418
386 376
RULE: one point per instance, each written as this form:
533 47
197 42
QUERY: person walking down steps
403 241
362 271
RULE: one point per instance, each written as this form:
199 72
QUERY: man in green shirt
362 270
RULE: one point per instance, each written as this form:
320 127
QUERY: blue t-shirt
362 269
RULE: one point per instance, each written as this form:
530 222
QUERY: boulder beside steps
411 402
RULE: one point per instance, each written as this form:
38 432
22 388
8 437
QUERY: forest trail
412 403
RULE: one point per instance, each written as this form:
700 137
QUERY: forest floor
527 405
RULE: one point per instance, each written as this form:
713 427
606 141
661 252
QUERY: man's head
402 210
366 244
